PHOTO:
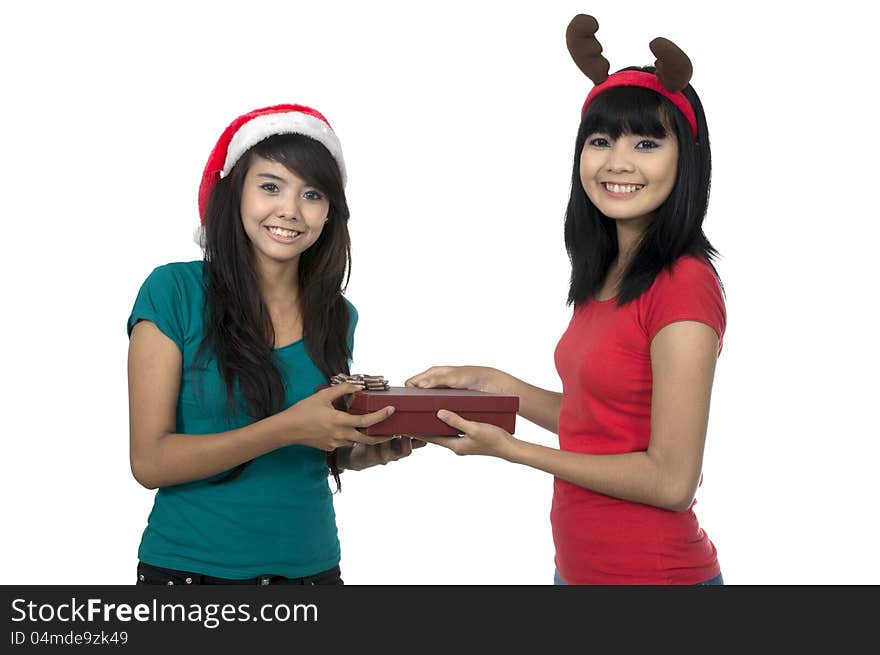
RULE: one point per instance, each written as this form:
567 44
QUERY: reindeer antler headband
674 69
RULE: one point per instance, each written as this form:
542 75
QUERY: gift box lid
411 399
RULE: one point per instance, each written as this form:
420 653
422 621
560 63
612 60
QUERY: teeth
623 188
289 234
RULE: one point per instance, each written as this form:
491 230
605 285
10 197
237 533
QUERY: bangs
628 110
304 157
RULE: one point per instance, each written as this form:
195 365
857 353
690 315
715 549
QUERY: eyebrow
270 176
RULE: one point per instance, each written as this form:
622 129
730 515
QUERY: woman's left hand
364 456
476 438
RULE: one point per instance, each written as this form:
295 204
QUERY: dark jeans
156 575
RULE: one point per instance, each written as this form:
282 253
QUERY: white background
457 120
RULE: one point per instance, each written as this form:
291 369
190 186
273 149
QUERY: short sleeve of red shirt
688 292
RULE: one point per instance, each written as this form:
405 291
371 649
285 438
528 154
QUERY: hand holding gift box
474 436
415 410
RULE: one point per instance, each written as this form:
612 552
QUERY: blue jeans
717 580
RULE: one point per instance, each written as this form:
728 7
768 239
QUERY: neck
629 236
279 281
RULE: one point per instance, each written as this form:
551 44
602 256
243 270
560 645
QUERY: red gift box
415 410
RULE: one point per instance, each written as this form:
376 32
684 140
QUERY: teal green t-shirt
277 517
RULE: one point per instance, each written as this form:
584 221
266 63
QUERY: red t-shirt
604 361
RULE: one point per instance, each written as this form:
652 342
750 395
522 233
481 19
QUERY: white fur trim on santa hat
262 127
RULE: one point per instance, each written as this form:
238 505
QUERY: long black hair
677 226
238 328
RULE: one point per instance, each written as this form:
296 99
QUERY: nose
288 206
619 158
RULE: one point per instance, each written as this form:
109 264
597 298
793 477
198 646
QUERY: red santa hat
249 129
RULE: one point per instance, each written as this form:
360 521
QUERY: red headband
647 81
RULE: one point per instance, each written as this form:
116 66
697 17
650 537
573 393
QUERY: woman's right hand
476 378
315 422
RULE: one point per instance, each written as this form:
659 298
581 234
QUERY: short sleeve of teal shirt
161 300
277 517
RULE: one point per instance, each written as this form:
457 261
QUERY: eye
270 187
600 142
647 144
312 194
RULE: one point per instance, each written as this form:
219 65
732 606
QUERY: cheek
664 176
671 176
584 167
671 167
587 170
250 205
314 215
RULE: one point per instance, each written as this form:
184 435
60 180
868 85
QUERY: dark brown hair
238 328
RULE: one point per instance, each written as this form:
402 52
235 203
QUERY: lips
282 234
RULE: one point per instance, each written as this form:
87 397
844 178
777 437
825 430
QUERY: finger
335 391
404 447
391 450
366 439
435 381
446 442
367 420
427 379
455 421
411 382
381 453
412 442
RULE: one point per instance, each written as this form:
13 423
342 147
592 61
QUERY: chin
278 255
628 216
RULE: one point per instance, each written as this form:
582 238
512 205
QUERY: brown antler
585 49
674 69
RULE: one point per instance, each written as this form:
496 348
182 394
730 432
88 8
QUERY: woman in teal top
225 356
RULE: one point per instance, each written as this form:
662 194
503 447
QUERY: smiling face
629 177
281 214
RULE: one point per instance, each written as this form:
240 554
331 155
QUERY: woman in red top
638 358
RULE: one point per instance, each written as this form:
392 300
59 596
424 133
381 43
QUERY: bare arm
666 475
161 457
537 405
